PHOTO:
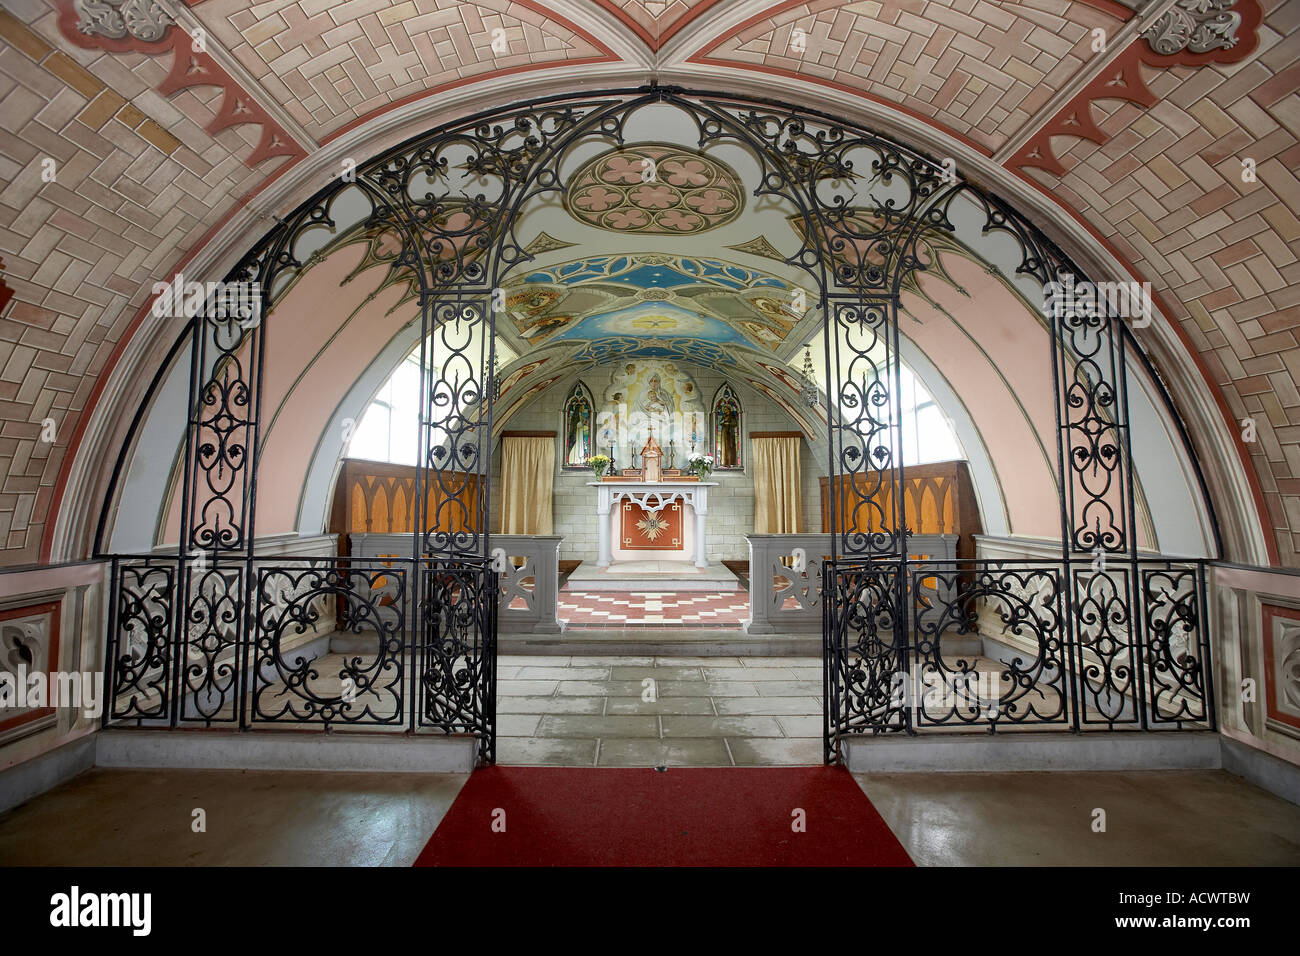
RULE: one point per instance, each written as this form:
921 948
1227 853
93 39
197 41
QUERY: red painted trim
1271 611
656 43
1075 118
1037 150
6 293
193 69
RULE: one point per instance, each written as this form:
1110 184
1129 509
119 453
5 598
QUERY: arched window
726 430
389 427
577 427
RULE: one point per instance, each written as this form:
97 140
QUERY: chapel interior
395 395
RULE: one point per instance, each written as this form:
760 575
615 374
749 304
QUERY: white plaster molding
608 29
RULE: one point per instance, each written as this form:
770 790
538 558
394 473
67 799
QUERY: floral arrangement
598 464
702 465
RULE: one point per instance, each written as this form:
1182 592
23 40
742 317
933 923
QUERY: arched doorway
1097 631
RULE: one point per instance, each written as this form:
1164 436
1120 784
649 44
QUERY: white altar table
663 493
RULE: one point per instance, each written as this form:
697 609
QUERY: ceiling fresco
653 271
659 290
787 405
702 310
613 348
654 295
787 378
655 319
655 189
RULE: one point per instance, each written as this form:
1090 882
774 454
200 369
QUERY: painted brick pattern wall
731 504
140 182
980 68
137 182
329 63
1167 190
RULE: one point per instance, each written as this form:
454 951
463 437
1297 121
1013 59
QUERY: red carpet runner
738 816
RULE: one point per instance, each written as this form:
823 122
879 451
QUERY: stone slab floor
698 712
142 817
706 711
1153 818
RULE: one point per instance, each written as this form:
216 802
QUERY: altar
653 498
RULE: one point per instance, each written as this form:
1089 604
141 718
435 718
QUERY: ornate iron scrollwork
212 643
141 626
457 654
1176 657
360 687
440 212
1023 608
865 451
866 655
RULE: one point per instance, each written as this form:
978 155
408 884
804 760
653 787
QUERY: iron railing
312 642
922 645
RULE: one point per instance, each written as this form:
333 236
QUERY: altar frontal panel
642 530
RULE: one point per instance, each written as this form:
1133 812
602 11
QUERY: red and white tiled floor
723 609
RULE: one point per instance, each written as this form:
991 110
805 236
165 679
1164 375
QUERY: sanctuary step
652 576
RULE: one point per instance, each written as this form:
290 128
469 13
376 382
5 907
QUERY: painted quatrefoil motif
659 190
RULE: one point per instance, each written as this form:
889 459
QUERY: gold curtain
527 480
777 485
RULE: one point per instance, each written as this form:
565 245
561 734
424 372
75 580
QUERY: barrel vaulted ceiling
1130 152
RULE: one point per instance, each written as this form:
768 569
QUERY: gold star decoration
652 526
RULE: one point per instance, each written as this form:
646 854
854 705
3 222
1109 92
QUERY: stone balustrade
785 577
529 569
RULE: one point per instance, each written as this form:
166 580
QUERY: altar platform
652 575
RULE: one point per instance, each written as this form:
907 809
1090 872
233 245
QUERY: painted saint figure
726 429
577 428
654 402
728 437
